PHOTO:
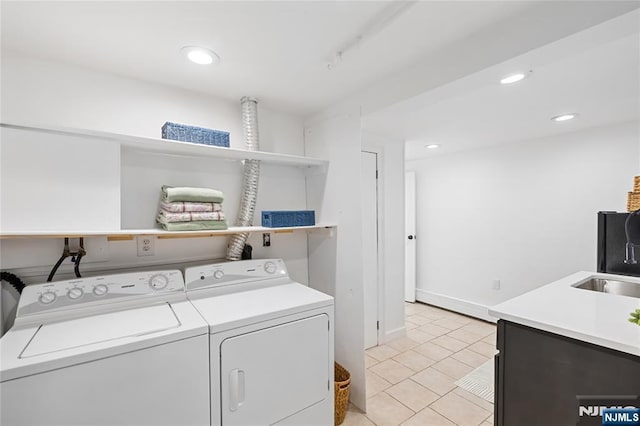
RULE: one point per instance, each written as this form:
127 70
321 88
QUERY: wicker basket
633 201
193 134
636 184
342 386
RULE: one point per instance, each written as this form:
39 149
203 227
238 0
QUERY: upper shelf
166 146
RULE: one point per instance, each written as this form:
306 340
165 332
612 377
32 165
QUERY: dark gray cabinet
542 378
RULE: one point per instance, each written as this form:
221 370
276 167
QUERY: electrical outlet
146 245
496 285
266 239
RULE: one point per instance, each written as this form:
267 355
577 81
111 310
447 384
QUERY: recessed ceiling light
200 55
513 78
564 117
432 146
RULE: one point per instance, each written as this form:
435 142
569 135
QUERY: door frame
415 226
372 149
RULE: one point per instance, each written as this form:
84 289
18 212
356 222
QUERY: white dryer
125 349
271 344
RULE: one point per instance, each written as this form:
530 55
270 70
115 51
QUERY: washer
124 349
271 344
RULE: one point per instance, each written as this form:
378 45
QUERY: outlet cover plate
146 245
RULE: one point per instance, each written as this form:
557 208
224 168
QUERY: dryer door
270 374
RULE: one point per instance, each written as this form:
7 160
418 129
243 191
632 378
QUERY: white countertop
590 316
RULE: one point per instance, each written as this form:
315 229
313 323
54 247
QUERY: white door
369 194
271 374
410 237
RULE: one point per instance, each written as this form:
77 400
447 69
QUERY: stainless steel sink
623 288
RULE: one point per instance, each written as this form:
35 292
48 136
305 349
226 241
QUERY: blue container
184 133
283 218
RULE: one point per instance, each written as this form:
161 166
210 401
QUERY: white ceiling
595 73
276 51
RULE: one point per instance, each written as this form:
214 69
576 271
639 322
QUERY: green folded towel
198 225
171 194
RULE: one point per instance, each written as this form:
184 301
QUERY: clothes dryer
271 344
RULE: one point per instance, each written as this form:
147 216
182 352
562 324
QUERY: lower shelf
129 234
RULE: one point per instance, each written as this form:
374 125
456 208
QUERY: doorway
369 200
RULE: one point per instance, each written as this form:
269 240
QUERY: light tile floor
410 381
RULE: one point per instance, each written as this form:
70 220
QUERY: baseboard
394 334
465 307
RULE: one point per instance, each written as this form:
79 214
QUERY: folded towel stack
191 209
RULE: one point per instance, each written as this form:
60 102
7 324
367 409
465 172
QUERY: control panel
228 273
70 294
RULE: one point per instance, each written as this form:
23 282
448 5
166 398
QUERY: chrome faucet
630 248
630 254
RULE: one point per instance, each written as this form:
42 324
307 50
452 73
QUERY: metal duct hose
250 178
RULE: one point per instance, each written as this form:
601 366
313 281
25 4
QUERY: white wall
391 239
41 190
336 198
522 213
36 91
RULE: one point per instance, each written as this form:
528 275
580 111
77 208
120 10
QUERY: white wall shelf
165 146
128 234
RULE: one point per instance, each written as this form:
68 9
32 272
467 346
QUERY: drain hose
250 178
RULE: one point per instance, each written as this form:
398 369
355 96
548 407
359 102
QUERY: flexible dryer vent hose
250 178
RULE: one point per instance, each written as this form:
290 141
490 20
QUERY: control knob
100 290
47 297
75 293
218 274
270 267
158 282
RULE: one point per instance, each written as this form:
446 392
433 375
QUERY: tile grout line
410 409
470 402
448 317
442 414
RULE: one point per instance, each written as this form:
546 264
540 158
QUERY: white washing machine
271 344
125 349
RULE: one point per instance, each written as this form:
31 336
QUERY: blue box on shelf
284 218
184 133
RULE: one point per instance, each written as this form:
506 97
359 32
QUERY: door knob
410 237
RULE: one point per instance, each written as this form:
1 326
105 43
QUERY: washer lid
76 333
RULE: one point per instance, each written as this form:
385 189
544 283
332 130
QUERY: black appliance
612 243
